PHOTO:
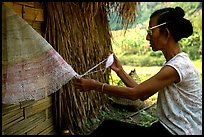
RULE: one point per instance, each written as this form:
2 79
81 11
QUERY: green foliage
156 54
133 43
147 8
197 25
147 119
191 46
143 60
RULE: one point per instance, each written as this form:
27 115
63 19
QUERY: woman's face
154 38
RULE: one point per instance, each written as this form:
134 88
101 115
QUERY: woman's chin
154 49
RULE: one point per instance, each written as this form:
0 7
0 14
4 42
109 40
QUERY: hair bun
179 12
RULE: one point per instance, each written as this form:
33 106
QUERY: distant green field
150 71
198 64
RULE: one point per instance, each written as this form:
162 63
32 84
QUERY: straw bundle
126 12
80 33
82 41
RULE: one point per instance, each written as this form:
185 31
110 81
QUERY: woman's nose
148 37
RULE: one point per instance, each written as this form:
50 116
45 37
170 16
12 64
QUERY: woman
179 102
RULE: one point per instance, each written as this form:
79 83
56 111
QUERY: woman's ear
167 33
166 36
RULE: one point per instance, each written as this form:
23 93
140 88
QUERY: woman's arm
163 78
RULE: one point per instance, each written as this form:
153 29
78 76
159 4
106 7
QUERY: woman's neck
173 50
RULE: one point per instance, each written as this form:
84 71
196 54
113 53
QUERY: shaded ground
144 116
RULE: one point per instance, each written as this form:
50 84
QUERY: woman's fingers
78 83
82 84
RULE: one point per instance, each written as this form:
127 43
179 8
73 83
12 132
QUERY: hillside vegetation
133 48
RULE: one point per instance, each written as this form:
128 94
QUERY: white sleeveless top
179 106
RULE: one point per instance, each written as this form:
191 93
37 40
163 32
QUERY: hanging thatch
81 34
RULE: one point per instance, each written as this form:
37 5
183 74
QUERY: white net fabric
31 68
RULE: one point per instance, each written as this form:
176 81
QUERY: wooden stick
135 113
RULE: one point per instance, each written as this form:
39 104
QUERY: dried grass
80 33
82 41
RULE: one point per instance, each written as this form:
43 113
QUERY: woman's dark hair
178 26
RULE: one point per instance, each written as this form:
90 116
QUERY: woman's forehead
153 21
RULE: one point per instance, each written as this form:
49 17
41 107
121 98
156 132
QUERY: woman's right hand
116 66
